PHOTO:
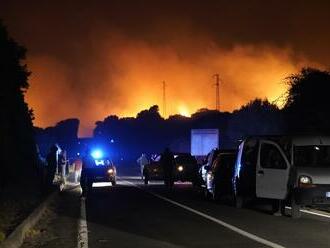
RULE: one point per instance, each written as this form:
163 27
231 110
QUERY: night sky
90 59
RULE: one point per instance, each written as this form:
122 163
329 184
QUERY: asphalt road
135 215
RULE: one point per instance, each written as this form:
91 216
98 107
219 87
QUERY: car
153 170
103 171
218 180
185 169
207 163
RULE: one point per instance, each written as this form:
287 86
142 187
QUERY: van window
312 156
271 158
250 153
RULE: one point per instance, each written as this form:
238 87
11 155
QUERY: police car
104 169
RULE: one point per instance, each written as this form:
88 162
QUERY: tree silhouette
307 107
17 146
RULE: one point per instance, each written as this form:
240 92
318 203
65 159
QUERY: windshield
185 159
312 156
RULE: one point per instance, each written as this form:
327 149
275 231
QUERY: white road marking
82 226
220 222
319 213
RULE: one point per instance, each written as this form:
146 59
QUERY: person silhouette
167 162
51 165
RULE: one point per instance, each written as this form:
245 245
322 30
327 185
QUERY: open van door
272 172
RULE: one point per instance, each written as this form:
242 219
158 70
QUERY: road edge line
213 219
311 212
82 240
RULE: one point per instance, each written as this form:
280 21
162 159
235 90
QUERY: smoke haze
91 61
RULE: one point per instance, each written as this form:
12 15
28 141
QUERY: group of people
167 162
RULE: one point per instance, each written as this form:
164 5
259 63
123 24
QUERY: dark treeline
64 133
18 159
150 133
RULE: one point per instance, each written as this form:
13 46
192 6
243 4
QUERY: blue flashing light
97 154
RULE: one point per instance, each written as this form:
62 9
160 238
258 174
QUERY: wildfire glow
183 110
129 79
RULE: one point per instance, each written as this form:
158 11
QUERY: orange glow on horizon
129 80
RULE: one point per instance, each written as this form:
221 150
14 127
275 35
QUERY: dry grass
15 206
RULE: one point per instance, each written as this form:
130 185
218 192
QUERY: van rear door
272 172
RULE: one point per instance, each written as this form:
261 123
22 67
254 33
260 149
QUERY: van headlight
180 168
111 171
305 180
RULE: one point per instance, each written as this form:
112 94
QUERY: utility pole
164 99
217 93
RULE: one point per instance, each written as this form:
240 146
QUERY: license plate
102 177
327 194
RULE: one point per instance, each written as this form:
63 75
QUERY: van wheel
295 209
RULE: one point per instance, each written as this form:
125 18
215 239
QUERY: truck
203 141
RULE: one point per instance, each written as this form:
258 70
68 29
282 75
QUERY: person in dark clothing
51 166
88 163
167 162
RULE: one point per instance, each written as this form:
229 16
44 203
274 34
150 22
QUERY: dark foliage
17 146
150 133
64 133
307 107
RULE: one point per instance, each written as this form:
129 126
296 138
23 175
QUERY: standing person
142 161
167 162
51 166
77 169
88 163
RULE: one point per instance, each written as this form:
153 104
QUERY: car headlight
111 171
180 168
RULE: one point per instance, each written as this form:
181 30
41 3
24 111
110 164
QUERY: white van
295 170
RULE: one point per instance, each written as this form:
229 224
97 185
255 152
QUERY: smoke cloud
91 60
126 76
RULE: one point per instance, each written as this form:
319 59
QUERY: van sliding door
272 172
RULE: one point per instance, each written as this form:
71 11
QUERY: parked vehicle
294 170
309 157
219 174
203 170
185 169
153 171
104 171
261 171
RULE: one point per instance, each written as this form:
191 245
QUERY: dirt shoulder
58 226
15 205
